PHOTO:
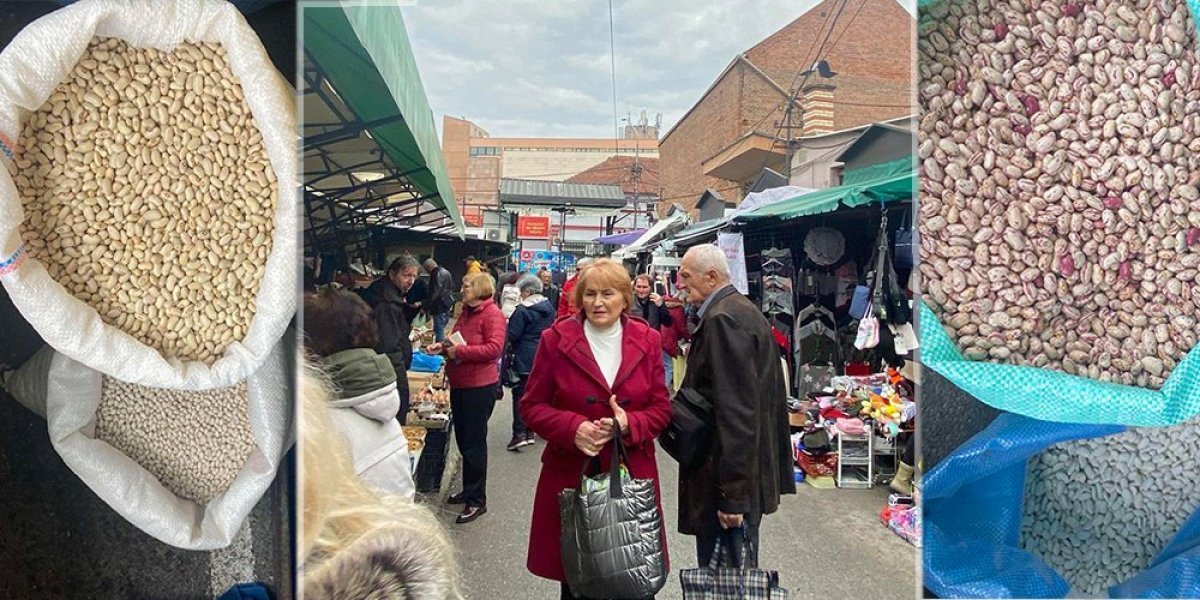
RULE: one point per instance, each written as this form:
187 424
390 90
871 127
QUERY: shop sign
735 255
533 227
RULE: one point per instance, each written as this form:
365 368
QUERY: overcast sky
541 68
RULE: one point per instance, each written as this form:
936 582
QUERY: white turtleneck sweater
606 347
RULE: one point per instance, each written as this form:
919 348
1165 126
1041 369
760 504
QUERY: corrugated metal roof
530 191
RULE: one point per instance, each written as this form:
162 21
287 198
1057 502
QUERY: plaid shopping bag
715 582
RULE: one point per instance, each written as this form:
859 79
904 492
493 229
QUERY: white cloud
537 67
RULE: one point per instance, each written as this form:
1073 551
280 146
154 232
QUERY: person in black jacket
391 315
734 364
441 297
648 306
533 315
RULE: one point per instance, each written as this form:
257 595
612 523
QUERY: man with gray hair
734 364
533 315
566 301
441 297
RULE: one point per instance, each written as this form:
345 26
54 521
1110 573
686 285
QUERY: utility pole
787 120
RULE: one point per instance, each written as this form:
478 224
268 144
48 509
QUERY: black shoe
515 443
456 499
470 513
529 440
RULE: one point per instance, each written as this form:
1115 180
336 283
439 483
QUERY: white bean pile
1100 510
1060 214
149 195
195 443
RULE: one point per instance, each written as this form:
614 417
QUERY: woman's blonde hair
605 273
482 284
340 510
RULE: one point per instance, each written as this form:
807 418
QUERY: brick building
736 128
639 180
475 161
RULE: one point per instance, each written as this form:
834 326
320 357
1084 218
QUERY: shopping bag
714 582
611 544
972 511
32 65
68 395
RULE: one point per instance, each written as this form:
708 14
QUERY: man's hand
451 349
730 521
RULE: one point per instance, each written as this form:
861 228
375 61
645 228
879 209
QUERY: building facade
476 163
741 124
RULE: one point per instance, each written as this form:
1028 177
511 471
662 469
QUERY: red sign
533 227
472 215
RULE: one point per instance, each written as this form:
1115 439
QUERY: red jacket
567 388
475 365
566 300
676 332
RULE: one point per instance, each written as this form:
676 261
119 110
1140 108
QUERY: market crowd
590 363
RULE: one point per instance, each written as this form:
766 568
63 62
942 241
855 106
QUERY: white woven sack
31 67
68 394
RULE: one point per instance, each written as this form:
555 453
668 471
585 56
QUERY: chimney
817 104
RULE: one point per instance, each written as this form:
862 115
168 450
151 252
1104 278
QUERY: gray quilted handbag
612 534
737 583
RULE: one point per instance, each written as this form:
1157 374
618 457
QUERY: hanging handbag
905 246
737 583
868 330
689 435
612 533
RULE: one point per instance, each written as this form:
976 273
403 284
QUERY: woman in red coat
589 369
473 373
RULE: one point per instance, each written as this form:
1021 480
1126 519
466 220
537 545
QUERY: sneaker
514 445
470 513
456 499
529 440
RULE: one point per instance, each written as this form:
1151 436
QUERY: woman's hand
589 438
605 426
451 349
656 299
435 348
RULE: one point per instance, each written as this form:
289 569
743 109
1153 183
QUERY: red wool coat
475 365
567 388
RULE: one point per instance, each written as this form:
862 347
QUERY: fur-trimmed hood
385 565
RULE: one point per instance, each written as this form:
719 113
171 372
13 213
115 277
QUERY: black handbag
689 435
611 542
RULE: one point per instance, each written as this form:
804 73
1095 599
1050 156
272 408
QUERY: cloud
543 68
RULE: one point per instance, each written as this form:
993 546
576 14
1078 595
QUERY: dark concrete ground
59 540
824 543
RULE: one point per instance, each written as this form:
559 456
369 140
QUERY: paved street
825 543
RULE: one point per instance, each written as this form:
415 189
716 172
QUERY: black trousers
731 541
470 410
518 391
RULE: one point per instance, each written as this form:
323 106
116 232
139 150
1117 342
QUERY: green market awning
365 55
885 182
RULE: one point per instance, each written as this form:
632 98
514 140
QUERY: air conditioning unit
493 235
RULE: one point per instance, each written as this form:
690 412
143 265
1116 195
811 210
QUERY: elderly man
441 297
733 363
566 301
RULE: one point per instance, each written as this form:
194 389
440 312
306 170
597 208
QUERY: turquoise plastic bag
972 508
1049 395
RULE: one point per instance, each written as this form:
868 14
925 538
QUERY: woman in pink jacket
473 373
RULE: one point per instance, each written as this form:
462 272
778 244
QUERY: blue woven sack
972 508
